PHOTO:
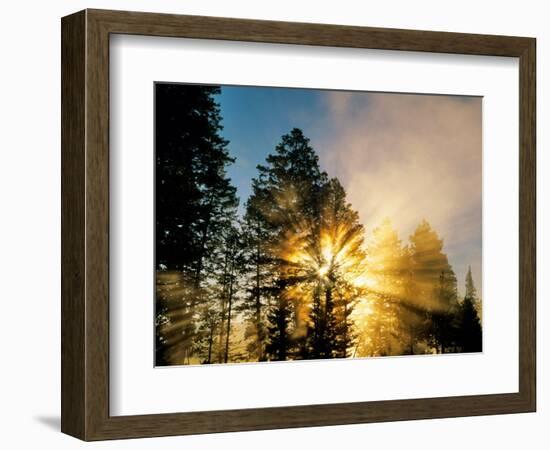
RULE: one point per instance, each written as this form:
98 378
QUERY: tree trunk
204 237
229 305
210 345
198 270
258 318
327 331
345 332
223 310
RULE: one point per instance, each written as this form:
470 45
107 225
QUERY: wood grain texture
85 224
527 225
152 24
73 111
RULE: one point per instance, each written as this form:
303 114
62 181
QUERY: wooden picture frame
85 224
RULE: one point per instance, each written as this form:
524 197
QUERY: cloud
410 157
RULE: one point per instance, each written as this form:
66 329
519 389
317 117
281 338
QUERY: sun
323 270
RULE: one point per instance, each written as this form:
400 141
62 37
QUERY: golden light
326 250
363 310
323 270
364 280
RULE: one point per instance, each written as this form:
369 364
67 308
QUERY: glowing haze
399 156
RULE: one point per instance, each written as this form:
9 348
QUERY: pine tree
195 203
204 344
192 189
221 288
340 263
284 204
469 327
257 274
467 322
471 291
233 252
319 265
414 315
387 272
436 282
279 317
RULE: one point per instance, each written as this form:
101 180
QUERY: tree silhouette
256 268
469 327
195 203
469 336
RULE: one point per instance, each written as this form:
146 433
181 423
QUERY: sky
404 157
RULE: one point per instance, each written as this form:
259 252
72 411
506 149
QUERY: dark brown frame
85 224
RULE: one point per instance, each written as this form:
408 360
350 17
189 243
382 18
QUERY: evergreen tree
195 203
192 189
221 289
469 327
436 285
414 316
468 323
204 343
319 266
387 272
233 257
257 274
279 318
284 203
471 291
340 263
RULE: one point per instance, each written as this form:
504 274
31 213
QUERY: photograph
304 224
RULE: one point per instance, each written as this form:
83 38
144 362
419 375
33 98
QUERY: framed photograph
272 225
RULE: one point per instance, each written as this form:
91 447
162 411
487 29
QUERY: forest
291 273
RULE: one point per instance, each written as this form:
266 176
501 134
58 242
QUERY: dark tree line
196 209
294 277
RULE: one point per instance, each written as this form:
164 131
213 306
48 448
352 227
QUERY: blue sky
254 120
405 157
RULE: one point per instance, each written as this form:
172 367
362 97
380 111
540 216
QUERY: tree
191 184
414 314
319 265
195 201
469 335
279 317
469 327
387 275
284 204
233 258
217 311
340 264
471 292
205 338
436 285
257 275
